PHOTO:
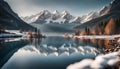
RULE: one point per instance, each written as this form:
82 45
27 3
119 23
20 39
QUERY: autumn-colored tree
110 27
30 32
96 30
99 29
83 33
77 32
93 32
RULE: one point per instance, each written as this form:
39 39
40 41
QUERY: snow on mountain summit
45 14
64 17
55 15
55 12
76 20
104 10
92 15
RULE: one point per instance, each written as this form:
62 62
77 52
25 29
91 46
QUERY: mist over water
55 28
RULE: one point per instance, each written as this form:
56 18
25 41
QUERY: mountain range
111 11
63 17
10 20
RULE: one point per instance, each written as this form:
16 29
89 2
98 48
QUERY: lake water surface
53 52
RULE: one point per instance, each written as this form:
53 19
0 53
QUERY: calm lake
53 52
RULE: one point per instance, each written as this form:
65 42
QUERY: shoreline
10 35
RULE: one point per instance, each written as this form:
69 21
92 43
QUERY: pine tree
88 31
117 22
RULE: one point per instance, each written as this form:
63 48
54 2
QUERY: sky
75 7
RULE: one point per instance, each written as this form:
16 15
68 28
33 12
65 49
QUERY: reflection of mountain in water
7 49
59 45
50 47
48 50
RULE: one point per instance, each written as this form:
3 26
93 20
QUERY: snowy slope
51 17
65 16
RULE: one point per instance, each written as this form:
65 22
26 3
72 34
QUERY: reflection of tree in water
38 41
98 43
107 44
31 40
93 40
101 43
2 42
77 41
85 41
22 41
69 42
35 41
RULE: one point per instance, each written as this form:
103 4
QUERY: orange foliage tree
110 27
77 32
30 32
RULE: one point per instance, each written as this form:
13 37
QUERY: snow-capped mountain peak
45 14
45 11
55 12
104 10
55 15
89 16
65 16
65 12
76 20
